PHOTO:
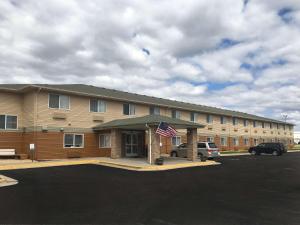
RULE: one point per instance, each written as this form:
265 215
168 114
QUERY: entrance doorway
131 143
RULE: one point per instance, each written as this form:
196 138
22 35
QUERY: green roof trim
141 122
92 91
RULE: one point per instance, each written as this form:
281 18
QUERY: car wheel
253 152
173 154
276 153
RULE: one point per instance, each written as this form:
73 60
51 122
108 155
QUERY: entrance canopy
140 123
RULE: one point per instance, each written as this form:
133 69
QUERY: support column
192 152
155 148
116 146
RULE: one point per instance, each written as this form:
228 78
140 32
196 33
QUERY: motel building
76 120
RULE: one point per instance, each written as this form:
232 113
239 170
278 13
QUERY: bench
11 153
7 152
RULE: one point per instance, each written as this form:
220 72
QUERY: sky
241 55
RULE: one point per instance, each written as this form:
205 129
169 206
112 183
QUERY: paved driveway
252 190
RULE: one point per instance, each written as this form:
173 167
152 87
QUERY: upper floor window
271 125
57 101
234 121
175 114
73 140
254 124
283 127
290 128
194 117
128 109
222 119
154 110
97 105
8 122
245 123
262 124
209 118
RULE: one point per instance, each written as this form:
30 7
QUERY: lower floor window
223 141
210 139
73 140
104 140
255 142
246 141
236 141
176 140
8 122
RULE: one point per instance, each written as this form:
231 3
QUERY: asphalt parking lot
254 190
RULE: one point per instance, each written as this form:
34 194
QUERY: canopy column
153 145
116 143
192 152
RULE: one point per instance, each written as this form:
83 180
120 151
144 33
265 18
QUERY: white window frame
156 110
255 141
254 123
246 123
210 139
246 141
177 142
195 117
177 114
224 120
235 121
72 147
59 106
209 119
98 105
236 141
131 109
5 122
109 144
225 142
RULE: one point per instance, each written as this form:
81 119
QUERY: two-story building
79 120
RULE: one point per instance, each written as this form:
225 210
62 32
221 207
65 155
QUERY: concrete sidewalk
136 164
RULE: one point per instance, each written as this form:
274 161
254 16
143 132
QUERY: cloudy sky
235 54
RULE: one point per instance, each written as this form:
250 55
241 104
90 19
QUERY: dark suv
268 148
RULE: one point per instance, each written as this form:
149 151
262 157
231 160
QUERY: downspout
35 119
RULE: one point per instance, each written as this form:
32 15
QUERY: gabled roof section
88 90
141 122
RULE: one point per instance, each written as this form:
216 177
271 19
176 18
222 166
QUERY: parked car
206 149
268 148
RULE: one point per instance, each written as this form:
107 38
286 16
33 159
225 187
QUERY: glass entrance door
131 144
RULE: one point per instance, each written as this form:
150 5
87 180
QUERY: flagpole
150 148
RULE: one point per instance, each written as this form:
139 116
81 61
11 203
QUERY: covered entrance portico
136 137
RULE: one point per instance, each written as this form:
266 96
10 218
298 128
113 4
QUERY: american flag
165 130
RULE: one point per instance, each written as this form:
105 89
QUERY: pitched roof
88 90
140 123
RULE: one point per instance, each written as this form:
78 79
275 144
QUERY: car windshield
212 145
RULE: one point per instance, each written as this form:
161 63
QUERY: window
255 141
290 127
234 121
176 140
246 141
245 123
223 141
8 122
104 141
154 110
59 101
271 125
97 105
254 124
223 120
283 127
235 141
73 140
262 124
210 139
175 114
209 119
128 109
277 125
194 117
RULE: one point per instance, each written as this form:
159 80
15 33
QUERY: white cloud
102 42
